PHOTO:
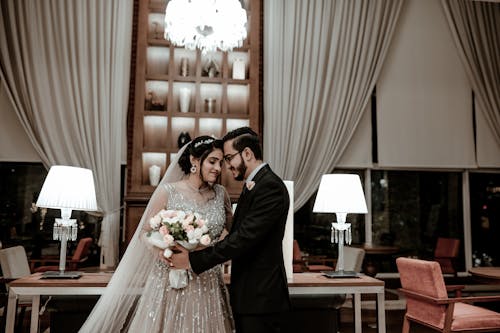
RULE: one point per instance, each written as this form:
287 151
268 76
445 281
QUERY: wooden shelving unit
217 102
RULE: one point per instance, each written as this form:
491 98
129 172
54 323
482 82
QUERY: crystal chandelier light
206 24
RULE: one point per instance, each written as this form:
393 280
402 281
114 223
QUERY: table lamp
340 194
67 188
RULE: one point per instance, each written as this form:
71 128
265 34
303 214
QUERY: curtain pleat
475 26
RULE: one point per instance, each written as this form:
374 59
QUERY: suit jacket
258 277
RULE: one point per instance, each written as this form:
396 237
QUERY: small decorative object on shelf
184 67
183 138
154 175
210 105
149 99
157 103
157 31
211 69
239 69
184 99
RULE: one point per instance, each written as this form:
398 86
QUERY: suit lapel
244 195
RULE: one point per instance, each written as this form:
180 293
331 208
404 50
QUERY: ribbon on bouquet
179 278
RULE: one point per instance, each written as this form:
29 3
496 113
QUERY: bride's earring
193 169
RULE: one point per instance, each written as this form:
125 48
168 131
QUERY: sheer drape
321 61
65 66
475 26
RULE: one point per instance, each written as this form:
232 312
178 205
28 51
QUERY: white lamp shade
340 193
68 187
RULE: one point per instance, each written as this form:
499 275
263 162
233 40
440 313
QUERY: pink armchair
427 301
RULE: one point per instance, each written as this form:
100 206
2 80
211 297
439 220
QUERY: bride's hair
199 148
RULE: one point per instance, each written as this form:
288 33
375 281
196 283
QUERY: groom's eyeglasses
228 158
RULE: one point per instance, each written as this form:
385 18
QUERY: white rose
197 233
190 234
205 240
167 253
155 221
204 229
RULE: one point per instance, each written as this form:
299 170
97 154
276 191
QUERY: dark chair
79 256
14 263
428 304
308 263
446 254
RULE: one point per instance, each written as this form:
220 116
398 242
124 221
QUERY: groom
258 290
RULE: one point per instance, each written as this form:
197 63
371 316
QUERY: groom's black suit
258 278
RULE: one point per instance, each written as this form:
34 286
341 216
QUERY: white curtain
321 62
65 66
475 26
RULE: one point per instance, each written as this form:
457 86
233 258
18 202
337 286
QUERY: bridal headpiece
203 142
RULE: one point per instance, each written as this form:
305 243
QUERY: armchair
79 256
428 304
446 254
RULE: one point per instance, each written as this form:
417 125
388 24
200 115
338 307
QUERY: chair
446 254
79 256
353 258
303 263
14 263
428 304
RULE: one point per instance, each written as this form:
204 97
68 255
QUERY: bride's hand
162 258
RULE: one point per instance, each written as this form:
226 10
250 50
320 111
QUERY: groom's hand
180 258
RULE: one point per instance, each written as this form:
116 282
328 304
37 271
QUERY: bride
140 297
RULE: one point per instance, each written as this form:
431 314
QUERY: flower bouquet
174 226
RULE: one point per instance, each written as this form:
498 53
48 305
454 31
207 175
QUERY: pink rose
168 214
200 222
188 228
188 219
169 239
205 240
163 230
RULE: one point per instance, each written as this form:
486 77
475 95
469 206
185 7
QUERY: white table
88 284
317 284
95 284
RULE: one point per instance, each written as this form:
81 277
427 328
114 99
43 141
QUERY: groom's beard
242 169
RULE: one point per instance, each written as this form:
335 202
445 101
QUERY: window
411 209
485 218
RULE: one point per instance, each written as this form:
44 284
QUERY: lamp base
60 275
339 274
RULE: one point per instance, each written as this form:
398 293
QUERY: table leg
357 313
381 312
35 309
10 321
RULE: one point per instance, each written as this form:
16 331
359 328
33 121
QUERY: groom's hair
245 137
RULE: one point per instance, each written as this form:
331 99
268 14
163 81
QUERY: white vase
184 99
239 69
154 175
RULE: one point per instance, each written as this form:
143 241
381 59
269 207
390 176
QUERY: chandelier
206 24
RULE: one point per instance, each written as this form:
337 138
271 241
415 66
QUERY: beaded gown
202 306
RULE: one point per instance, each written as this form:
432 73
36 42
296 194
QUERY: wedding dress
139 297
201 306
